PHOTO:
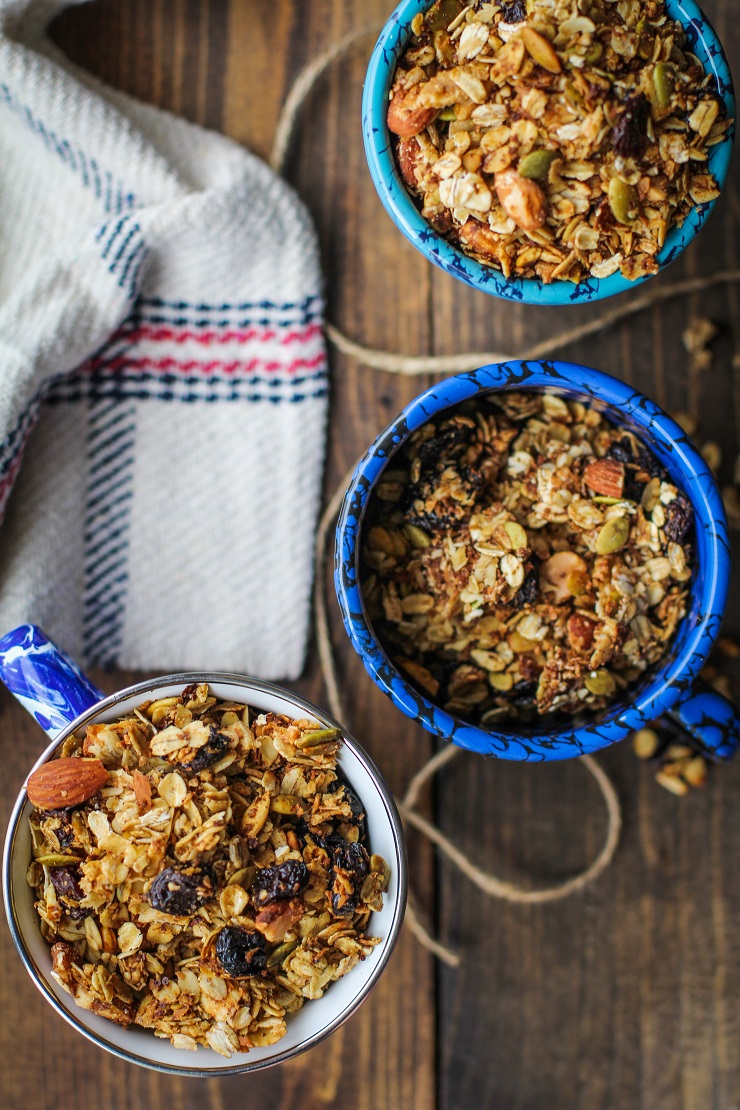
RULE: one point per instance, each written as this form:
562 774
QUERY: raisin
523 694
527 592
447 486
284 880
633 487
621 451
650 464
349 868
240 951
514 11
679 516
69 892
58 824
182 890
629 136
214 748
356 806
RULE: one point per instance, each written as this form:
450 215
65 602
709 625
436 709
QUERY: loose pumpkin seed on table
216 881
535 559
559 139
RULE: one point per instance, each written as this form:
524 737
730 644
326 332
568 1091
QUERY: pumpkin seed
281 953
321 736
600 683
601 500
58 859
536 164
288 803
417 537
613 536
501 682
663 84
621 200
593 53
540 50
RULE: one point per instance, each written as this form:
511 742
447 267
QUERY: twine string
392 362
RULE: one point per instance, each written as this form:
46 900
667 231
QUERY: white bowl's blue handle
45 681
711 719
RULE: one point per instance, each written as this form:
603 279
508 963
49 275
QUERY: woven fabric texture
163 391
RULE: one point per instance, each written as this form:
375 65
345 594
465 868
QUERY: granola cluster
555 138
524 556
216 881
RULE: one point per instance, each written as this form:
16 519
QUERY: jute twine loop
391 362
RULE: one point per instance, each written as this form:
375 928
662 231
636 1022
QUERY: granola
523 556
217 881
556 139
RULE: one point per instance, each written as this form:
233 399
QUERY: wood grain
624 998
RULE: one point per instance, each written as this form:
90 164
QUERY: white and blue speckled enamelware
672 687
62 700
408 219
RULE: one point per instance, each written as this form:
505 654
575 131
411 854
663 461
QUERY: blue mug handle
710 719
44 679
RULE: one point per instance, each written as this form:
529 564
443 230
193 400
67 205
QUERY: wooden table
626 997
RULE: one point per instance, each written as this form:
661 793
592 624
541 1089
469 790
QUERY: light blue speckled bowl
407 218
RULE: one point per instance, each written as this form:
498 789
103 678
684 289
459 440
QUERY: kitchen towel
163 383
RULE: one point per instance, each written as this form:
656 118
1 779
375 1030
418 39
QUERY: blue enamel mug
674 686
62 700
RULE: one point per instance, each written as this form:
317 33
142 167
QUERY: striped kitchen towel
163 391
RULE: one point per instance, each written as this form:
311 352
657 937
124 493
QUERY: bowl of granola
532 568
549 151
199 862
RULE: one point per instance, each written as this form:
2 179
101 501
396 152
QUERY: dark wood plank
625 997
227 64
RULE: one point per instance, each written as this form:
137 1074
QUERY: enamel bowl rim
395 907
451 259
658 692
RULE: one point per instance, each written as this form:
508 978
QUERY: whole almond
521 199
407 156
406 116
65 782
605 476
